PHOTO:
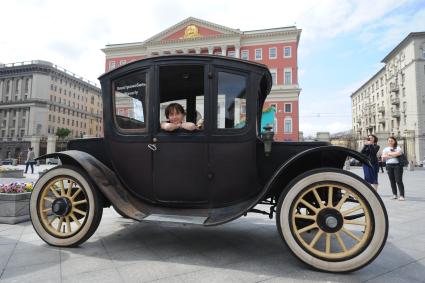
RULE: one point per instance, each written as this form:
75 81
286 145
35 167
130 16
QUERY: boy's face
175 117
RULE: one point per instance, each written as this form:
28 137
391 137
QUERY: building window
288 77
245 54
272 53
231 53
27 85
273 72
259 54
122 62
111 66
8 87
287 52
288 126
17 87
288 108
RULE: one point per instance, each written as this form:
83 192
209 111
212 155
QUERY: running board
176 218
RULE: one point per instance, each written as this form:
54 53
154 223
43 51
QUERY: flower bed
14 202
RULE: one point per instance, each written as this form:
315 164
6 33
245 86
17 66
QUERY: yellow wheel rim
70 223
347 238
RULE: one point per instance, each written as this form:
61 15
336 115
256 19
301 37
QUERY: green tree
62 133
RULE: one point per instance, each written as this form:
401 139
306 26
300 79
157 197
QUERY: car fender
105 180
313 158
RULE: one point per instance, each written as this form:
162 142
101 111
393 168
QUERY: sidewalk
246 250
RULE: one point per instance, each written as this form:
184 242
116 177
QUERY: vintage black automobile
329 218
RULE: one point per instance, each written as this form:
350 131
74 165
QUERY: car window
129 101
183 85
231 101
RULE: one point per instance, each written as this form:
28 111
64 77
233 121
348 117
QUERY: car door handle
152 147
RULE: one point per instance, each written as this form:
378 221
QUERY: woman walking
370 149
395 171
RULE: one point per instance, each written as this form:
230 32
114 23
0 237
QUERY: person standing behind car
370 149
381 164
395 171
30 160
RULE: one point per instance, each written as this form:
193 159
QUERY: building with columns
392 102
37 98
276 47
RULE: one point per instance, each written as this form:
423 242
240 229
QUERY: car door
127 134
232 147
180 158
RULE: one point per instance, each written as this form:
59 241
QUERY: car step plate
177 218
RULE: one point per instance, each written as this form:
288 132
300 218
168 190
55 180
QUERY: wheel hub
330 220
61 206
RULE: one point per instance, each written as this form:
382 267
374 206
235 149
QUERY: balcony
381 120
394 89
395 100
381 109
370 126
395 113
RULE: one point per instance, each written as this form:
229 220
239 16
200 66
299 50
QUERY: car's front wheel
65 208
332 220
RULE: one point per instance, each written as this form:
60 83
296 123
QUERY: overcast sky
342 42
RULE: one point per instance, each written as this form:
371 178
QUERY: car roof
266 82
194 56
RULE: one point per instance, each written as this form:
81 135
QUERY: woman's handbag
402 160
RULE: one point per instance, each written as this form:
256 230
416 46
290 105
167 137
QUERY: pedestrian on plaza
381 163
30 160
370 149
394 169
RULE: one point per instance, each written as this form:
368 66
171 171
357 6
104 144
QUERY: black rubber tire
370 196
95 200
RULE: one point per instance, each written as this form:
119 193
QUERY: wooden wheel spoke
68 224
79 202
304 216
49 199
69 190
75 220
330 196
351 234
62 188
328 243
353 222
310 206
318 199
53 219
316 238
307 228
79 211
60 224
351 210
76 193
47 209
340 241
53 190
342 201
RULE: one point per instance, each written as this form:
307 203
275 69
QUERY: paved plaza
246 250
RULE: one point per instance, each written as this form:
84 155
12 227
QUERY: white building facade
37 98
392 102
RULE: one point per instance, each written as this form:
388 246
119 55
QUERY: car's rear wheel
332 220
65 208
